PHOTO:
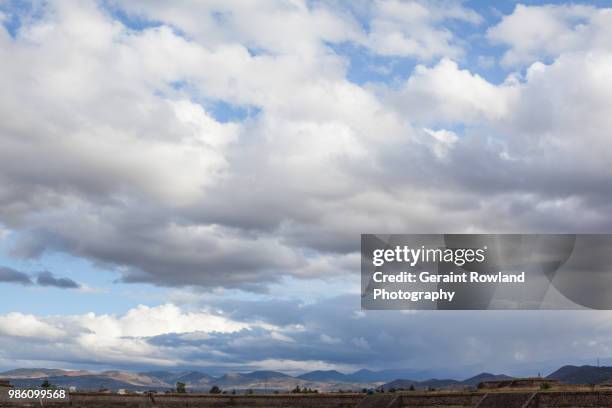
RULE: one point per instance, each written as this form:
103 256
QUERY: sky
184 184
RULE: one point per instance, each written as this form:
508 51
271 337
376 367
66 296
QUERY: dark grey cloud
48 279
45 278
9 275
441 344
332 332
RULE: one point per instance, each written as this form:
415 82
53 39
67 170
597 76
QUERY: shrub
180 387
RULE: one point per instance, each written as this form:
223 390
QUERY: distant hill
255 379
192 377
585 374
167 377
323 380
387 375
365 375
264 375
194 380
328 375
140 379
435 383
198 381
475 380
445 383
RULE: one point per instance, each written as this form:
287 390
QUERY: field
576 397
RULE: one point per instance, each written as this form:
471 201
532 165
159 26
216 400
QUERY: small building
5 384
531 382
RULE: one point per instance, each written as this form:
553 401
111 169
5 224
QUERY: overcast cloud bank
224 145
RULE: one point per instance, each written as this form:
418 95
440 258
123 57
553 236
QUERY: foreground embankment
515 399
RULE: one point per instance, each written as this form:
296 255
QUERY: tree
46 384
215 390
411 387
180 387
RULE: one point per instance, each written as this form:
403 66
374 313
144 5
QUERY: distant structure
5 383
519 383
605 384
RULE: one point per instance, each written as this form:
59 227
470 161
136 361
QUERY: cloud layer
128 167
320 336
224 144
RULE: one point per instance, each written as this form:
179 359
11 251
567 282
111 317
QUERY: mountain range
328 380
585 374
167 380
444 383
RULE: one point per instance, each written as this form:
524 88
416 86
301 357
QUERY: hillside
322 380
582 374
329 375
166 380
199 381
445 383
475 380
